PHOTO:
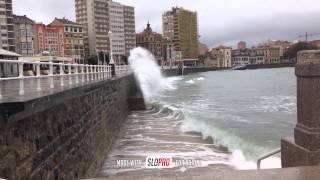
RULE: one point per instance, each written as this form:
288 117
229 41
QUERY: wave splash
148 73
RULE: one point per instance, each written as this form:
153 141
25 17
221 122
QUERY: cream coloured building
224 56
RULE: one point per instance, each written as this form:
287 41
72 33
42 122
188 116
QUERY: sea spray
148 73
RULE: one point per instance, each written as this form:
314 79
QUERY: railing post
21 70
82 73
76 66
61 69
21 87
69 69
50 69
92 72
38 70
76 71
38 84
87 73
0 91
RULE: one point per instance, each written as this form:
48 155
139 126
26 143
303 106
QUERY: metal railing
77 73
267 156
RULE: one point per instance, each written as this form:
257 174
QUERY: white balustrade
39 70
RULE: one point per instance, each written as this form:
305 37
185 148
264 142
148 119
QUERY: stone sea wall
65 135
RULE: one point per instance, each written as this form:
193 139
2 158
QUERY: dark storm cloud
220 21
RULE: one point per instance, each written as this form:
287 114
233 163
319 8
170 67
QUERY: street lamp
113 67
111 52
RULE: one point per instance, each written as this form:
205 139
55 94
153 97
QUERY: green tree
92 60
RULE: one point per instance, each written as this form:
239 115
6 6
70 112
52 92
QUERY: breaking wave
148 73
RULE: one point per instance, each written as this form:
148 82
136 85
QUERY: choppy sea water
237 115
224 119
246 111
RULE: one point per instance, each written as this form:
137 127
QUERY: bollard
304 149
38 70
20 70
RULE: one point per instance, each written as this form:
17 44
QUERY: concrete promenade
32 88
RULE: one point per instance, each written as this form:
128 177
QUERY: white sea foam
286 104
148 73
234 144
190 82
239 161
200 79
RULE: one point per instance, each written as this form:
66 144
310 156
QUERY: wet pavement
156 133
32 88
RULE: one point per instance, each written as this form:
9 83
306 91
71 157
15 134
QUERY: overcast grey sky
220 21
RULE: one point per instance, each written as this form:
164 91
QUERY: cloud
220 21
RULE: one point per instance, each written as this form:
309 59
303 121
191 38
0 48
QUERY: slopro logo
159 162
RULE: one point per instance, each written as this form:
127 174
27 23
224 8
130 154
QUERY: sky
221 22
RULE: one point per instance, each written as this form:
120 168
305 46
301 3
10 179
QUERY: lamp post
111 51
111 62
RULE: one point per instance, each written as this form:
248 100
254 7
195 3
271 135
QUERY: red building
49 39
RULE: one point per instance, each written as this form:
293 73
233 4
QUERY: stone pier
304 149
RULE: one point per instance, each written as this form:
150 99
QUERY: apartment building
181 27
101 16
116 22
24 35
7 26
73 38
129 28
49 40
94 16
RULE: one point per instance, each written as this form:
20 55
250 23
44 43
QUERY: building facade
7 26
224 56
94 16
212 59
151 41
129 29
181 27
271 54
24 35
73 38
101 16
49 40
116 22
242 57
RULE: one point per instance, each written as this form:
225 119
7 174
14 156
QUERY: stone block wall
65 135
